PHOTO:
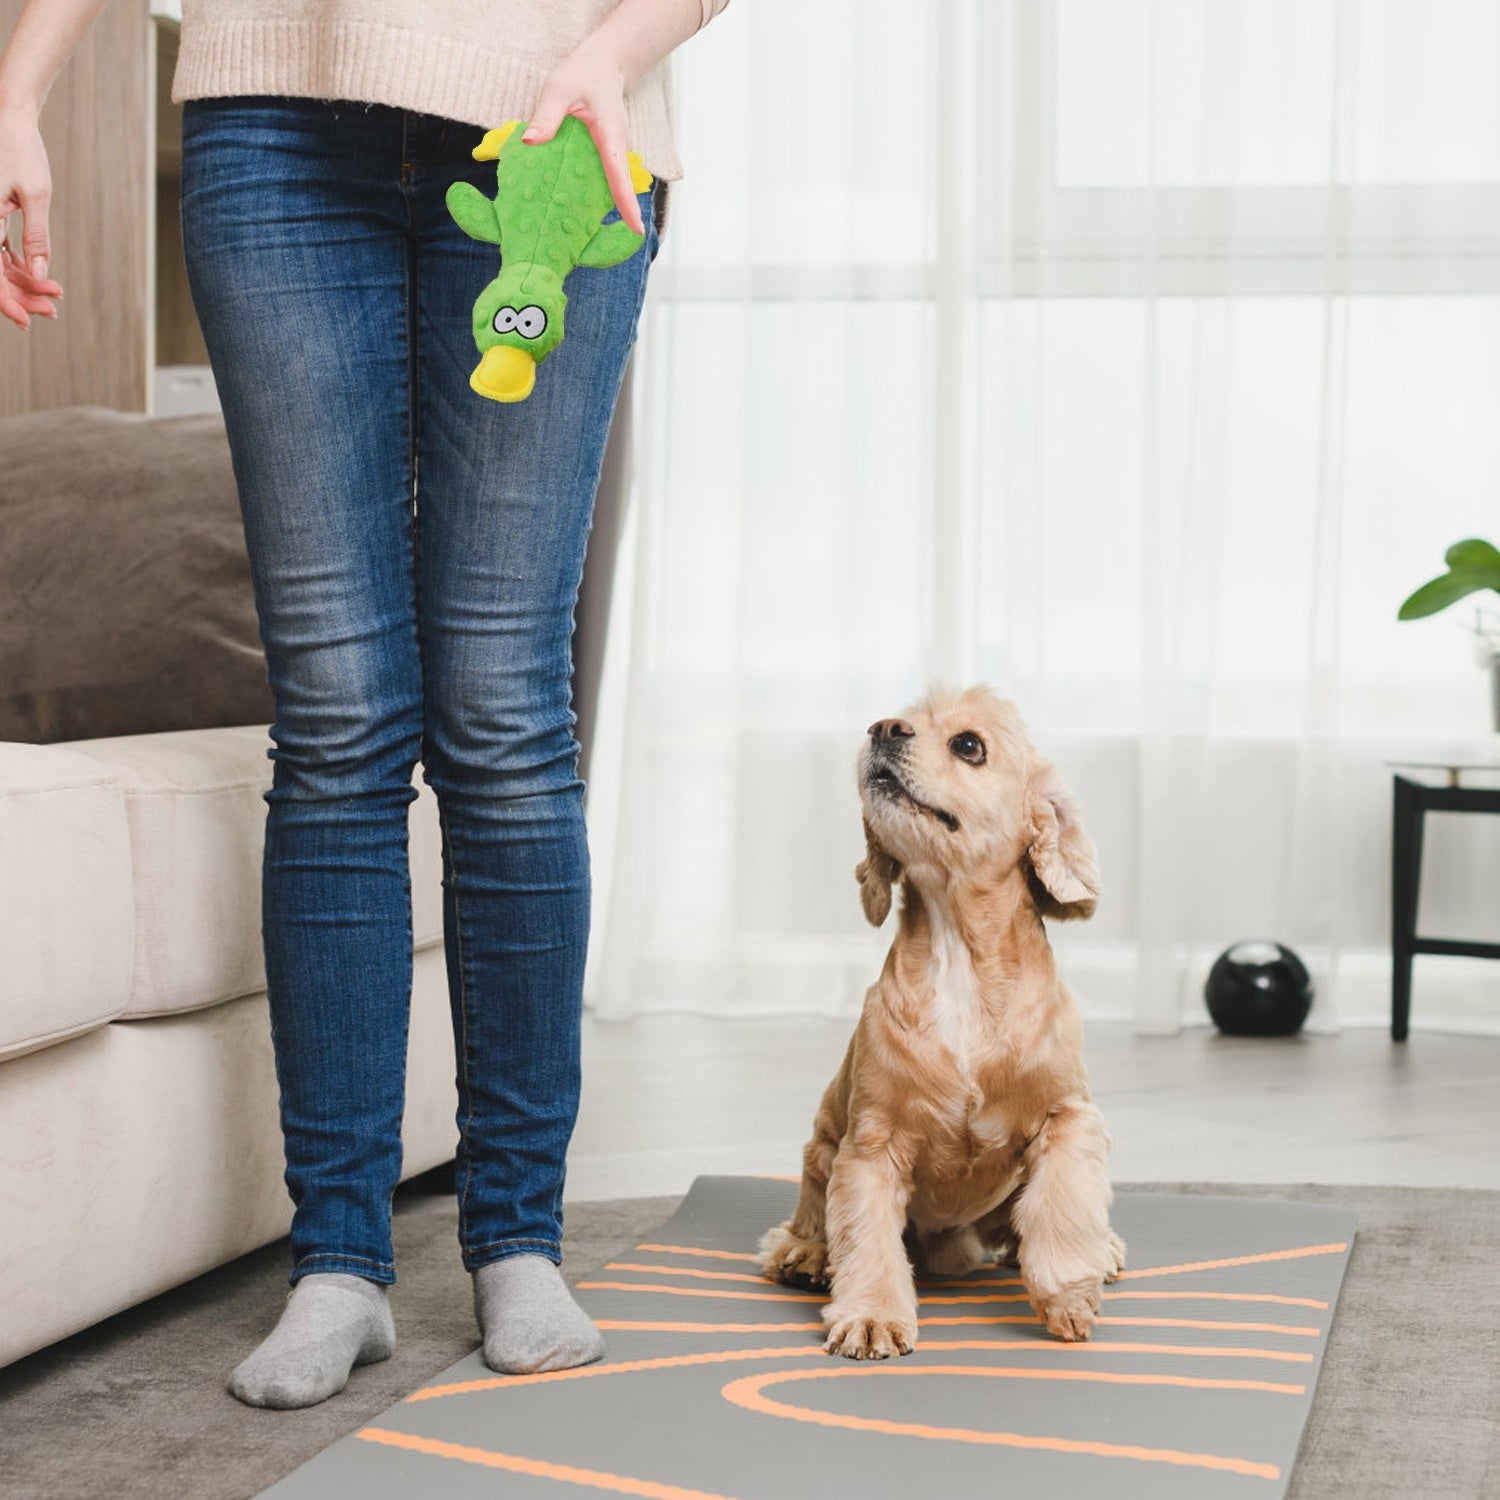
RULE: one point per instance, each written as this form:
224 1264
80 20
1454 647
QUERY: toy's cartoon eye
505 320
531 322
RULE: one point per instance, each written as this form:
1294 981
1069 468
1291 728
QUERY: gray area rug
1408 1403
715 1383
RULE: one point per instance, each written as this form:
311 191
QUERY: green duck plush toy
546 218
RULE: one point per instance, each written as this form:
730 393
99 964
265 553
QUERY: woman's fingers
610 140
36 241
589 84
21 293
10 306
546 117
29 281
26 188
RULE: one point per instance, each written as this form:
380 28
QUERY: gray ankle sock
529 1319
332 1321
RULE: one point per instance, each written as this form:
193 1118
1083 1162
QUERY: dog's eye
968 746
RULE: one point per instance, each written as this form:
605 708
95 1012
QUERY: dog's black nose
891 729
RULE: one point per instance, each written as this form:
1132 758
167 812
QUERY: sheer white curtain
1135 356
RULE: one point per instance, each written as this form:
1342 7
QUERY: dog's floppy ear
1064 863
877 872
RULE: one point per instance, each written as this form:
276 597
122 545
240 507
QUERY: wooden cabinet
125 335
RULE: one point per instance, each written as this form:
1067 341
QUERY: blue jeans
416 552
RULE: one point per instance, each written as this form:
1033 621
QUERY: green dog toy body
546 218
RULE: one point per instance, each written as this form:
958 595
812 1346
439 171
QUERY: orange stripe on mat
1226 1297
1027 1346
1310 1333
1005 1372
924 1286
1112 1347
746 1392
804 1298
698 1291
634 1265
651 1327
699 1250
1236 1260
621 1484
1202 1265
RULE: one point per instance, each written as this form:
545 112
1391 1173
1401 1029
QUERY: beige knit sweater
480 61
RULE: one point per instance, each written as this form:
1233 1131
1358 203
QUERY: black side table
1413 800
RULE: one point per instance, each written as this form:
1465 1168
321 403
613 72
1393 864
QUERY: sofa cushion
126 605
194 802
67 925
197 826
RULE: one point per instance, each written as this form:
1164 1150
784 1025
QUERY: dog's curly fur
959 1130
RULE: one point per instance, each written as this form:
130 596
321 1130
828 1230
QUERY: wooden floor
667 1097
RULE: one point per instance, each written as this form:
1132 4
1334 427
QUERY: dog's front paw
787 1257
1116 1255
868 1335
1069 1313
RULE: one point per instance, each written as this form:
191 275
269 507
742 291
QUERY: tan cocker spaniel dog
960 1127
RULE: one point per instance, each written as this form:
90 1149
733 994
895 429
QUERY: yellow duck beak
504 374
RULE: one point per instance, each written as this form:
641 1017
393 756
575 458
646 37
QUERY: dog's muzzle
883 781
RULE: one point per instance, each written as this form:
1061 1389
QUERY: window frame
1039 239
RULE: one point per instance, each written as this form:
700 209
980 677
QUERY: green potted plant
1473 565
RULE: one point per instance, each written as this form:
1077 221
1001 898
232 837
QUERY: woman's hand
590 83
25 185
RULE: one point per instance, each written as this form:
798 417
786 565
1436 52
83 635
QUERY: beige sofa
139 1143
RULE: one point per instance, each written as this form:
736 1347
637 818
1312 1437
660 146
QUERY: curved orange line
746 1392
1236 1260
625 1367
804 1351
621 1484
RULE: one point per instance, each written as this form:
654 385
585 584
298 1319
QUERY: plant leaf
1448 589
1473 553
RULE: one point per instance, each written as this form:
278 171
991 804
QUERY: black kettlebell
1258 988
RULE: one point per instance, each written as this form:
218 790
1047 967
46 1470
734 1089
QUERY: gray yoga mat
1196 1384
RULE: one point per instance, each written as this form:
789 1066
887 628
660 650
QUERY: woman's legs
505 498
295 237
335 295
